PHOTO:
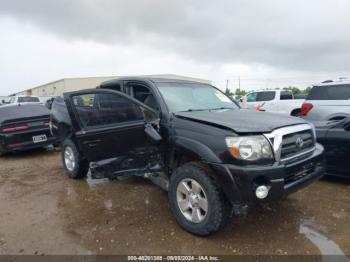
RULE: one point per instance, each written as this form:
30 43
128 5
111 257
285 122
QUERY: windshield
194 97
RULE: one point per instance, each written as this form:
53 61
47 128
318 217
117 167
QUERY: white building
57 88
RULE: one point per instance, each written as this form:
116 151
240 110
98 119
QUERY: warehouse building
57 88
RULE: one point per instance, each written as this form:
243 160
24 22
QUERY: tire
79 169
219 210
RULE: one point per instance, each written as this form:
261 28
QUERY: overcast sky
267 43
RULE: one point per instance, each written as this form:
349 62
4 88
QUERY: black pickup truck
189 138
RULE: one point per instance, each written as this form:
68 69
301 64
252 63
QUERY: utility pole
239 82
227 83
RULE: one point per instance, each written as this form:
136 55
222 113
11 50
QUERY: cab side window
266 96
261 96
285 95
252 97
96 110
145 96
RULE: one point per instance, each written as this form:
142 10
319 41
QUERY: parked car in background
190 139
25 100
24 127
335 137
329 100
274 101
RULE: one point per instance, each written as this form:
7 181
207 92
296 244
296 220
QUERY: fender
223 177
201 151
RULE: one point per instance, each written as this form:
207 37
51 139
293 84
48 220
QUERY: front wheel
197 203
76 167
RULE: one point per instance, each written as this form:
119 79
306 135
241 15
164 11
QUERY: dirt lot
44 212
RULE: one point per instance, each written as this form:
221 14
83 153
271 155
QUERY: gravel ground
44 212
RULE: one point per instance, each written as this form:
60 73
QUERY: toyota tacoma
190 139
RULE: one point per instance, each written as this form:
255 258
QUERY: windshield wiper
192 110
220 108
206 109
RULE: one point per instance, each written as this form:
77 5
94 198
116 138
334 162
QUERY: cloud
31 57
291 35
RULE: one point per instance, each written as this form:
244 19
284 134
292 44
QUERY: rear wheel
197 203
76 167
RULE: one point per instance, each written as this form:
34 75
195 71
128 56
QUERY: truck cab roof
106 84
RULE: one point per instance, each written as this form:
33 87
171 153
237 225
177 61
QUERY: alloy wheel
192 200
69 158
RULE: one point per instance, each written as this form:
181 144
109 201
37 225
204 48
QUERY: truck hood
241 120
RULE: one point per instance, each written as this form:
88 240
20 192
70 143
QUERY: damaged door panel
112 130
139 162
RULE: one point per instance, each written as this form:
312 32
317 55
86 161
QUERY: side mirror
152 134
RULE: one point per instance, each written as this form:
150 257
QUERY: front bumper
239 183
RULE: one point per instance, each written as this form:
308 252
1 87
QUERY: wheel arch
187 150
66 131
338 116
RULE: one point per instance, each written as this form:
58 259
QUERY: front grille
296 143
299 174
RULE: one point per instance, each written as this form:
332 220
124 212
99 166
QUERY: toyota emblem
299 142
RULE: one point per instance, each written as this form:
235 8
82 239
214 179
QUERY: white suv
329 100
275 101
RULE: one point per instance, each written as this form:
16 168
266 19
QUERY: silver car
329 100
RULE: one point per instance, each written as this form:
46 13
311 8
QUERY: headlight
249 148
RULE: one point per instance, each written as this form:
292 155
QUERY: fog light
261 192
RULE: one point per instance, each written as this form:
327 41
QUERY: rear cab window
330 92
28 99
